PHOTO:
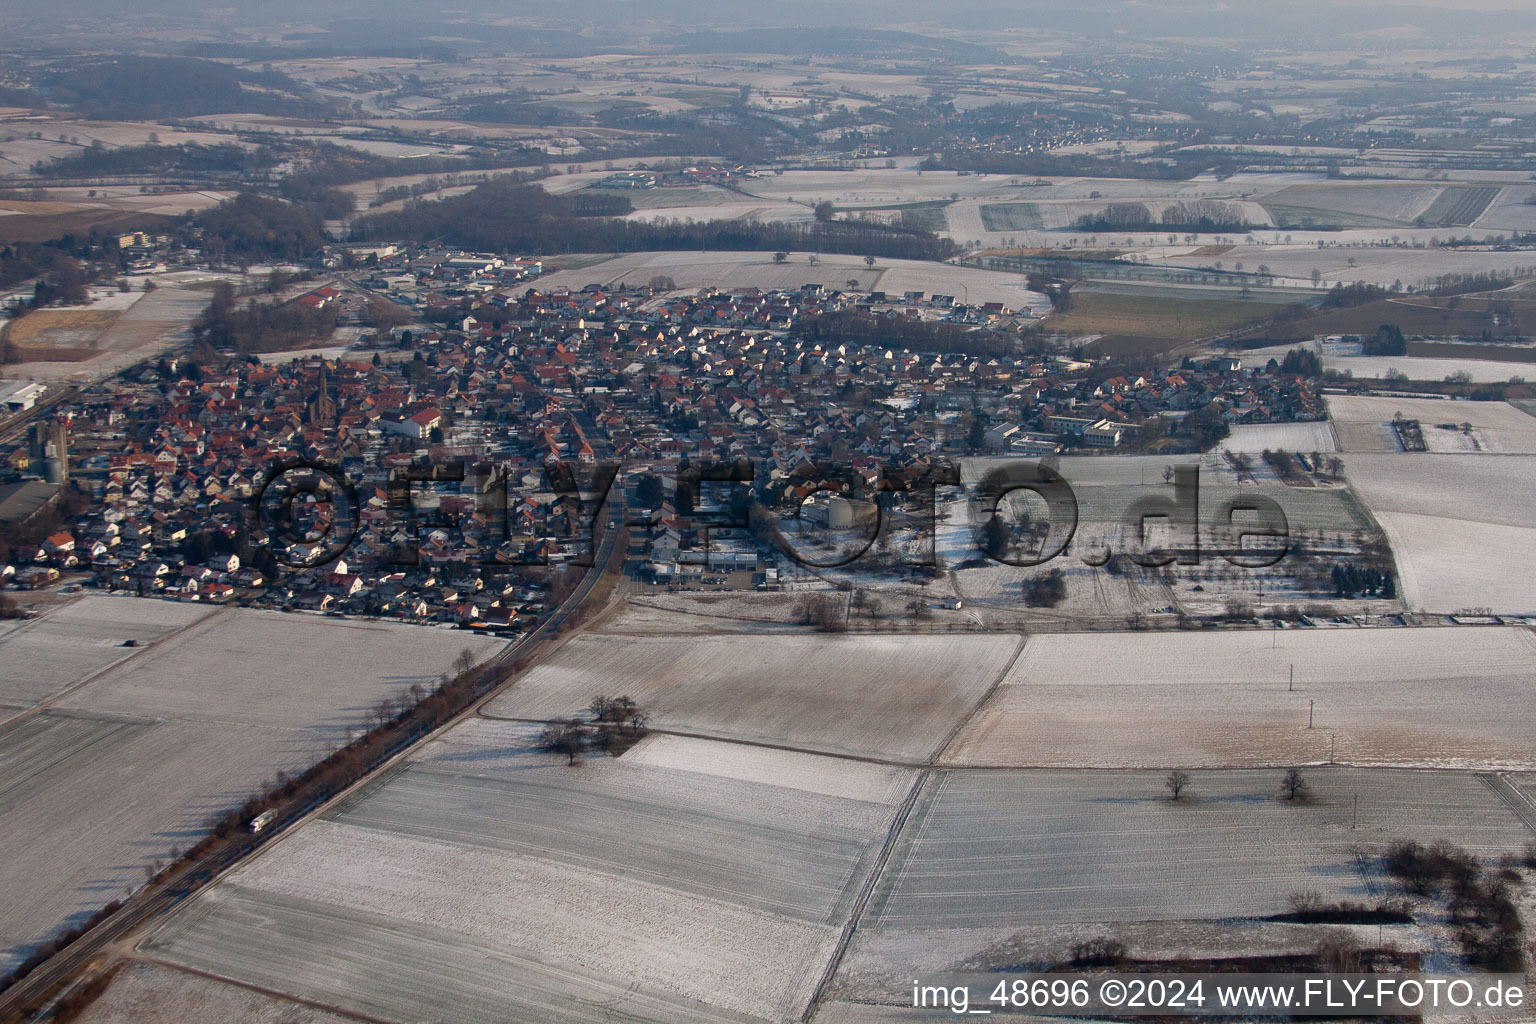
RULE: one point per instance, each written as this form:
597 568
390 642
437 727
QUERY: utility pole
1332 739
1292 687
1311 706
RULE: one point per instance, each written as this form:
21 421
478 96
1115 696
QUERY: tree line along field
687 883
140 746
881 696
1414 315
1449 697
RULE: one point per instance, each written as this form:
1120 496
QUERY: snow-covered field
117 772
1453 697
1496 427
886 696
1000 868
281 671
147 993
47 655
685 881
154 323
1254 438
1461 526
1015 848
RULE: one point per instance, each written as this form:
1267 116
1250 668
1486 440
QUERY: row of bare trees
1293 786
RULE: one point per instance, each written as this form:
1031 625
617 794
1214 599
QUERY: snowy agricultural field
882 696
1348 356
148 993
145 751
1254 438
1006 867
1364 260
156 322
1496 427
1461 527
1483 371
685 881
73 642
282 671
1432 696
1385 203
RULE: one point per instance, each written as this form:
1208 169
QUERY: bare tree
465 661
1338 952
1176 782
1293 785
564 736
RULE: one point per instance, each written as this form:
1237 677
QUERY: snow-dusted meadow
1461 527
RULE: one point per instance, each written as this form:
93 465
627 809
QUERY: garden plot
1461 526
1449 697
72 642
1043 856
1495 427
140 756
525 889
895 697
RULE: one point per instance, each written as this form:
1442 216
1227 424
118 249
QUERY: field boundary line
1511 796
887 762
71 690
938 755
866 892
134 956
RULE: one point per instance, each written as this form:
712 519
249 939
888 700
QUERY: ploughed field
1453 697
880 696
139 746
684 881
1005 870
